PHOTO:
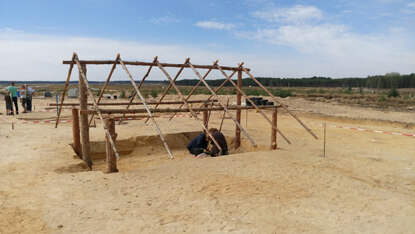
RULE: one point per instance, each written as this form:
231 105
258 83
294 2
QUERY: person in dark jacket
220 138
198 144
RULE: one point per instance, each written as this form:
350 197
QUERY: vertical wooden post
205 116
111 159
83 105
273 131
76 133
238 112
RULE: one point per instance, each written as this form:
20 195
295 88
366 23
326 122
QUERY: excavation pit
147 150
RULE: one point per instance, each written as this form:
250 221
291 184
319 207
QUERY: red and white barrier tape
365 130
42 122
53 110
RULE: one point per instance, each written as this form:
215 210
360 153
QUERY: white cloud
296 14
215 25
410 8
164 19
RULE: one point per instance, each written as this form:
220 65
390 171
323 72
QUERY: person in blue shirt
198 144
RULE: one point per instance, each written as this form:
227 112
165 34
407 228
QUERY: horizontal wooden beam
135 103
137 63
169 110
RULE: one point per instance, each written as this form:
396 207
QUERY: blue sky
274 38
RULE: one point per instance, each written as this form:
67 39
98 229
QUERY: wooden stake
254 105
188 106
273 131
76 133
276 101
64 90
139 86
238 112
147 108
105 85
223 105
111 159
83 98
246 119
324 149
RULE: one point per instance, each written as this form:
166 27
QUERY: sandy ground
366 182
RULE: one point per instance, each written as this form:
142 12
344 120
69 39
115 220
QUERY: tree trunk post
76 133
238 112
111 159
83 105
273 131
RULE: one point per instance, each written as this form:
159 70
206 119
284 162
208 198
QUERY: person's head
12 83
212 130
23 86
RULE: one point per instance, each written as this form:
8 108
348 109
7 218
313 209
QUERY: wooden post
76 133
273 131
111 159
83 100
205 116
238 112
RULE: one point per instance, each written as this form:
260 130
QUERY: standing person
23 99
29 96
220 138
8 99
13 92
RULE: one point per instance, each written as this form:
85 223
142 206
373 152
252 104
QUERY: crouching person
198 145
220 138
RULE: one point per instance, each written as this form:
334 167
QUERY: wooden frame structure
80 111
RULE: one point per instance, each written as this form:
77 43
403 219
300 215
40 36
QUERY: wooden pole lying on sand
111 159
76 133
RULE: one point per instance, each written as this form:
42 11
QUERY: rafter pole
146 106
276 101
194 88
64 90
187 104
91 95
139 86
223 105
169 87
253 104
105 85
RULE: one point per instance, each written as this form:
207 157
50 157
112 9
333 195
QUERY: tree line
387 81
